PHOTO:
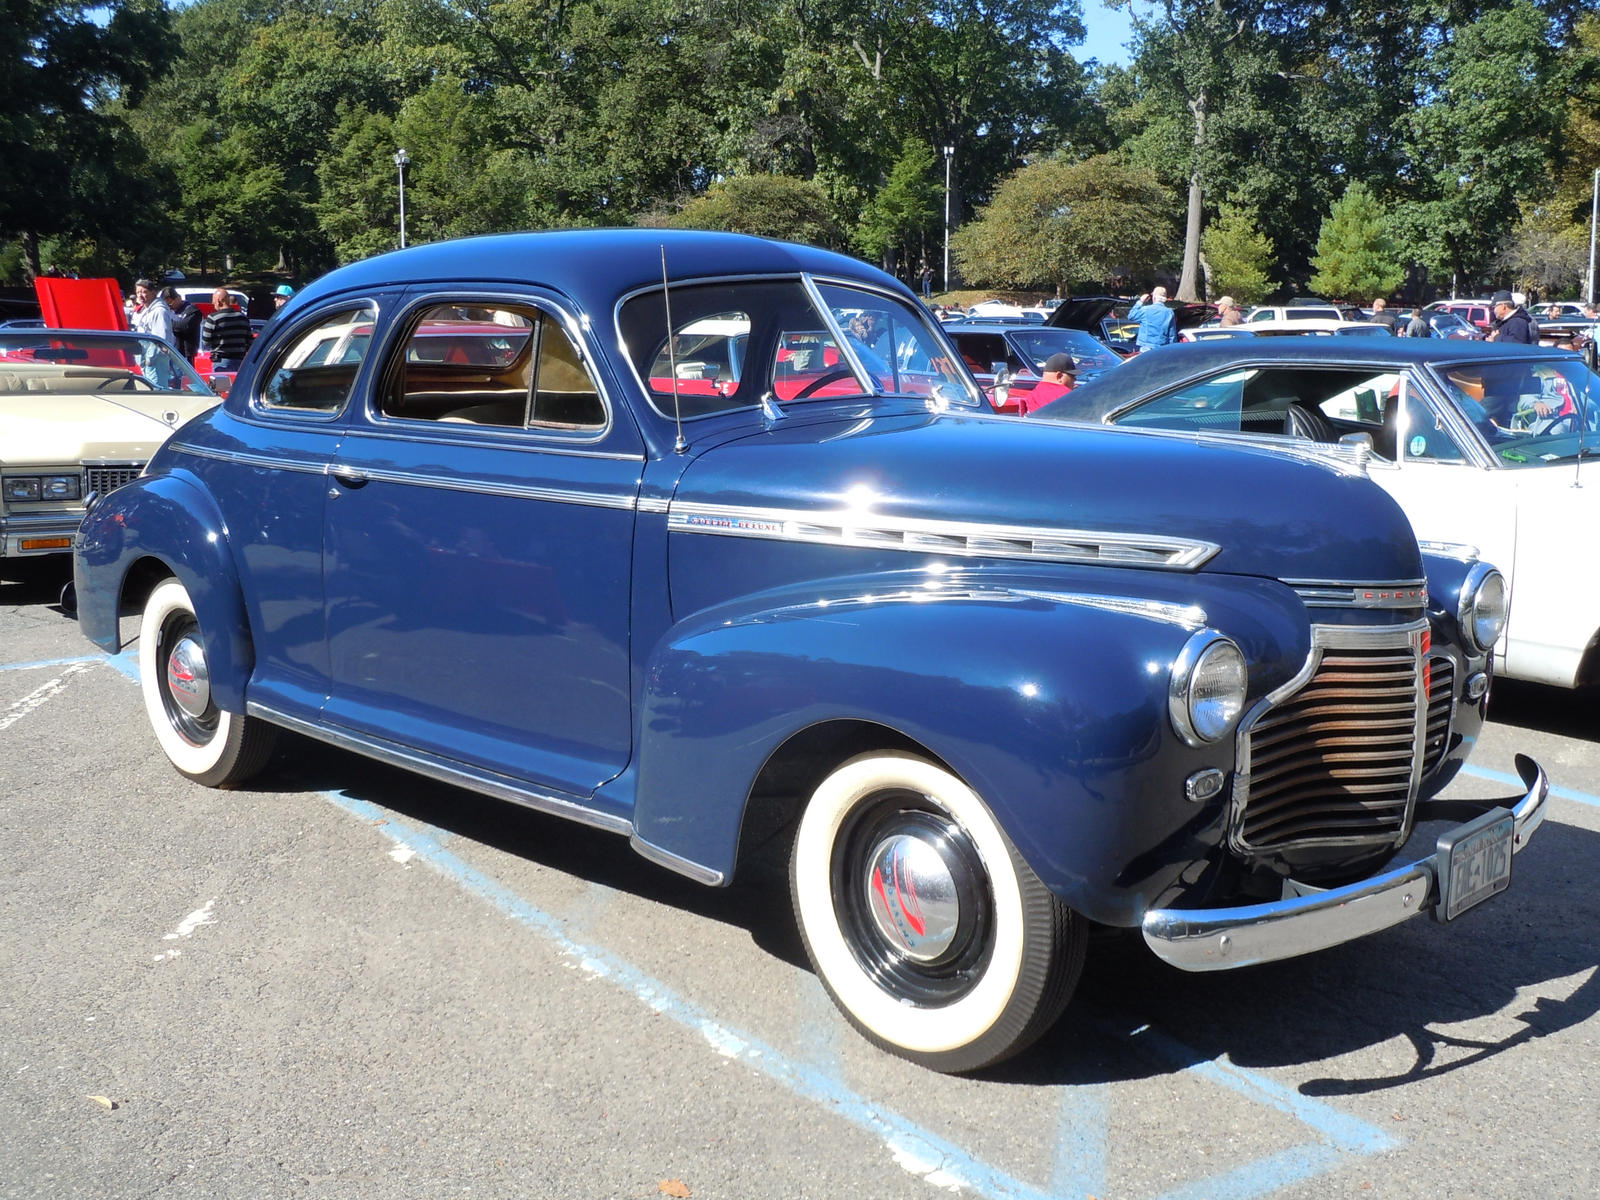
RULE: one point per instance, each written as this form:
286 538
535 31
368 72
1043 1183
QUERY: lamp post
949 157
401 161
1594 217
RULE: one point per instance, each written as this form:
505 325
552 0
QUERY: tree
899 221
1238 257
775 206
1355 258
71 164
1053 223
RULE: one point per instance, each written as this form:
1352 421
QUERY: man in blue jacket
1157 325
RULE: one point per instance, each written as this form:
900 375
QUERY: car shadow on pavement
1567 712
35 580
574 849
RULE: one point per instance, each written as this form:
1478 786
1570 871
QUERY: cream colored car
81 412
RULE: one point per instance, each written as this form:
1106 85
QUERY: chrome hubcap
188 680
912 896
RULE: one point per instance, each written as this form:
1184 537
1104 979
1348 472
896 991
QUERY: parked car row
716 543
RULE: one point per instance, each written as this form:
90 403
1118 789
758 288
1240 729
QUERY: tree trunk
1191 231
31 267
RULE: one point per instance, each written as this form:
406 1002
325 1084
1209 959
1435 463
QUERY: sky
1108 31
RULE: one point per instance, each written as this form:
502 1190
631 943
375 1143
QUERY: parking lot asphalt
347 981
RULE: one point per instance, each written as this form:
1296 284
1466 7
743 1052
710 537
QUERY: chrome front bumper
17 528
1220 939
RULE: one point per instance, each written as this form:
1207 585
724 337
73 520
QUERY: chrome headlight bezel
1483 607
1200 714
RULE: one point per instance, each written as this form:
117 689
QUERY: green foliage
1355 258
1054 223
1239 257
775 206
899 223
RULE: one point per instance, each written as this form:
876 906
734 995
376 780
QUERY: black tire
202 741
930 932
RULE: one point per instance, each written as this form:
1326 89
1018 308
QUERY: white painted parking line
40 696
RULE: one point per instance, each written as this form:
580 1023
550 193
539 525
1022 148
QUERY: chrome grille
1332 758
1441 703
108 478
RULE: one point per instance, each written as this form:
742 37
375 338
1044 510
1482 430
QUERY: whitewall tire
923 922
202 741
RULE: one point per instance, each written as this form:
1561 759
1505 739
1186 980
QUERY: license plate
1475 863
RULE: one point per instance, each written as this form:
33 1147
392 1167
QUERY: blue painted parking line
43 663
1082 1148
1514 781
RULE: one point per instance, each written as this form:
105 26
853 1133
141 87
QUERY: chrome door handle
351 479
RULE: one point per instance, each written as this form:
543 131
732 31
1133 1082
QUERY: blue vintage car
629 526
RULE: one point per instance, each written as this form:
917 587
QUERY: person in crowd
280 297
225 333
1382 316
185 322
927 280
1056 379
1512 322
1229 313
1157 325
150 315
1417 325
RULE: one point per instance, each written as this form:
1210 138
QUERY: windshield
49 360
1090 354
737 342
1529 411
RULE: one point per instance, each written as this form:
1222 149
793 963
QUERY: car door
1435 474
479 538
292 422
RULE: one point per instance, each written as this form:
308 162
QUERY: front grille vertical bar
1336 756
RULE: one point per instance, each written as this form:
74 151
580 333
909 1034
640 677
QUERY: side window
564 395
1419 433
317 370
506 366
1213 405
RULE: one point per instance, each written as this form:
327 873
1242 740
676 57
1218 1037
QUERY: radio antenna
680 446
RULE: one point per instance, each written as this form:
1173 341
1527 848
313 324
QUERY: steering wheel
127 383
822 381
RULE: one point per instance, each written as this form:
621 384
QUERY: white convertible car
81 411
1484 445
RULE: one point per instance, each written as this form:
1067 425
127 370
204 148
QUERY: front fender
167 520
1051 705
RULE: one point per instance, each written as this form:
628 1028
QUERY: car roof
1169 365
593 266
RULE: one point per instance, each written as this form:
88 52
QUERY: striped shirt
226 333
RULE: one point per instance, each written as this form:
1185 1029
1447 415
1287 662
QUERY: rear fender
166 520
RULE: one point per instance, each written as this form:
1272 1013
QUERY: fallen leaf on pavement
674 1187
104 1101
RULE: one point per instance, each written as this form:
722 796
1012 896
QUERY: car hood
1084 312
909 481
64 428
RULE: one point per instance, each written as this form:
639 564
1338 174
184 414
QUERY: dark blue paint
495 600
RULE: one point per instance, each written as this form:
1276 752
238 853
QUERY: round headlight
1484 605
1206 696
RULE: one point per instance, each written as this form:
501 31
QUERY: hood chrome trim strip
968 539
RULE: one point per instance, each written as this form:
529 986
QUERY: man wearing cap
280 296
1228 312
1055 381
1512 322
1157 325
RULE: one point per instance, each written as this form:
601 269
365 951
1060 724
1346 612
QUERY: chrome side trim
406 429
480 486
1220 939
499 488
1186 617
1344 593
673 862
653 504
963 538
253 460
455 774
